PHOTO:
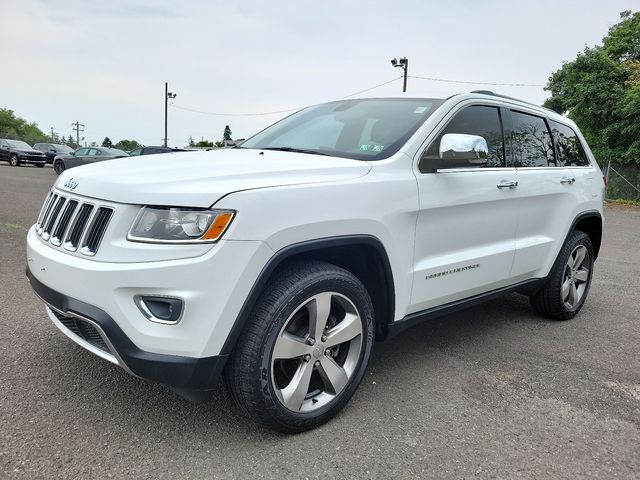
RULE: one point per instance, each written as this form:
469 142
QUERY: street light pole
167 95
404 64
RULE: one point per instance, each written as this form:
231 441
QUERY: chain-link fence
623 181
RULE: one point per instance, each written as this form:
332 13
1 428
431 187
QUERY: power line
232 114
433 79
446 80
371 88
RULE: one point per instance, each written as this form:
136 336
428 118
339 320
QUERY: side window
568 146
137 151
82 151
93 152
476 120
531 144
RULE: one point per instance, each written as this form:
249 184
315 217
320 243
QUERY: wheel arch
590 223
362 255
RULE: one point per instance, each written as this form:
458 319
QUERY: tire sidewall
58 166
13 160
356 294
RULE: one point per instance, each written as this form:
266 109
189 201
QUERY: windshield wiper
296 150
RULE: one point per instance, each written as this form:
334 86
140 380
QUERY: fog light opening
160 309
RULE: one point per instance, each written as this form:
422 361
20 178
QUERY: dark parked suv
16 152
50 150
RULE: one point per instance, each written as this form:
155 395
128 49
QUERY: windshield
362 129
63 148
115 151
19 144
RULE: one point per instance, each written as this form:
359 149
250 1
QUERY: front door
465 232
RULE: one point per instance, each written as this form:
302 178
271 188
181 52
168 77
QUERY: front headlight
179 225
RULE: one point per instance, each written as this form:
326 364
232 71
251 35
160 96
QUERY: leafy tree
227 133
71 142
107 142
14 127
219 144
600 91
204 144
127 145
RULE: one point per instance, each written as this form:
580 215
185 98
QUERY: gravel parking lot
492 392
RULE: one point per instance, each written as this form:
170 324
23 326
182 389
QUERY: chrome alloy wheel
316 352
576 277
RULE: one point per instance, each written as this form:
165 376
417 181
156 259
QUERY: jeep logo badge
70 184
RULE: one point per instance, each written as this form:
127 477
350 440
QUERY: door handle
567 180
506 184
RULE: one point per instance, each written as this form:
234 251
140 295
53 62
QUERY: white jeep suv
277 263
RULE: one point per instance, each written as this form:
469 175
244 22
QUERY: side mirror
459 150
52 150
4 147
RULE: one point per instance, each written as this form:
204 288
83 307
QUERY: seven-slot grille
73 224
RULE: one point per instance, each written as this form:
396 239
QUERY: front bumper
31 159
179 372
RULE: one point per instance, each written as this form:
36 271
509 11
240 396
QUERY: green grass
624 201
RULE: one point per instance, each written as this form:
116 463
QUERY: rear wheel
14 161
58 166
567 286
306 348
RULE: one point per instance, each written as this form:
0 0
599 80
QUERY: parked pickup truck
277 264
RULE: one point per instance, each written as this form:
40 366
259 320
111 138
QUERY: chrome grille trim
53 218
72 223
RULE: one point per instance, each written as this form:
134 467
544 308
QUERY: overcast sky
105 63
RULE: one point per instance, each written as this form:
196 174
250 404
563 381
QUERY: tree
14 127
218 144
71 143
191 142
227 134
127 145
600 91
204 144
107 142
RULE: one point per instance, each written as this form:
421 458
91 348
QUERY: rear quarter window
570 151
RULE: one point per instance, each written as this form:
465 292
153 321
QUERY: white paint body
427 223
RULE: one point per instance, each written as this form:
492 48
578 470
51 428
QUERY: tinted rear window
568 146
531 144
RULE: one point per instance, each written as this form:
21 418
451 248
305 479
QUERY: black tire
550 299
14 161
250 374
40 165
58 166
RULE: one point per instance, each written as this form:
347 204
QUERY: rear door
465 232
554 176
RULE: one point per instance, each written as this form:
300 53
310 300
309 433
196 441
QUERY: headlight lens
179 225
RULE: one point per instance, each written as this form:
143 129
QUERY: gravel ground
491 392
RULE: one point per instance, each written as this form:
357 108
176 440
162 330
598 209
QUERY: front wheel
306 348
58 166
14 161
567 286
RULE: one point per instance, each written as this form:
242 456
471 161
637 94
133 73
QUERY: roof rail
489 92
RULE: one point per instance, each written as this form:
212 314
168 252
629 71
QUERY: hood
199 179
30 151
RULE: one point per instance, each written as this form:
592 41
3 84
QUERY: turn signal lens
218 227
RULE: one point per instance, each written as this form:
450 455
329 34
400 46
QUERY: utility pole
78 127
53 135
167 95
404 64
